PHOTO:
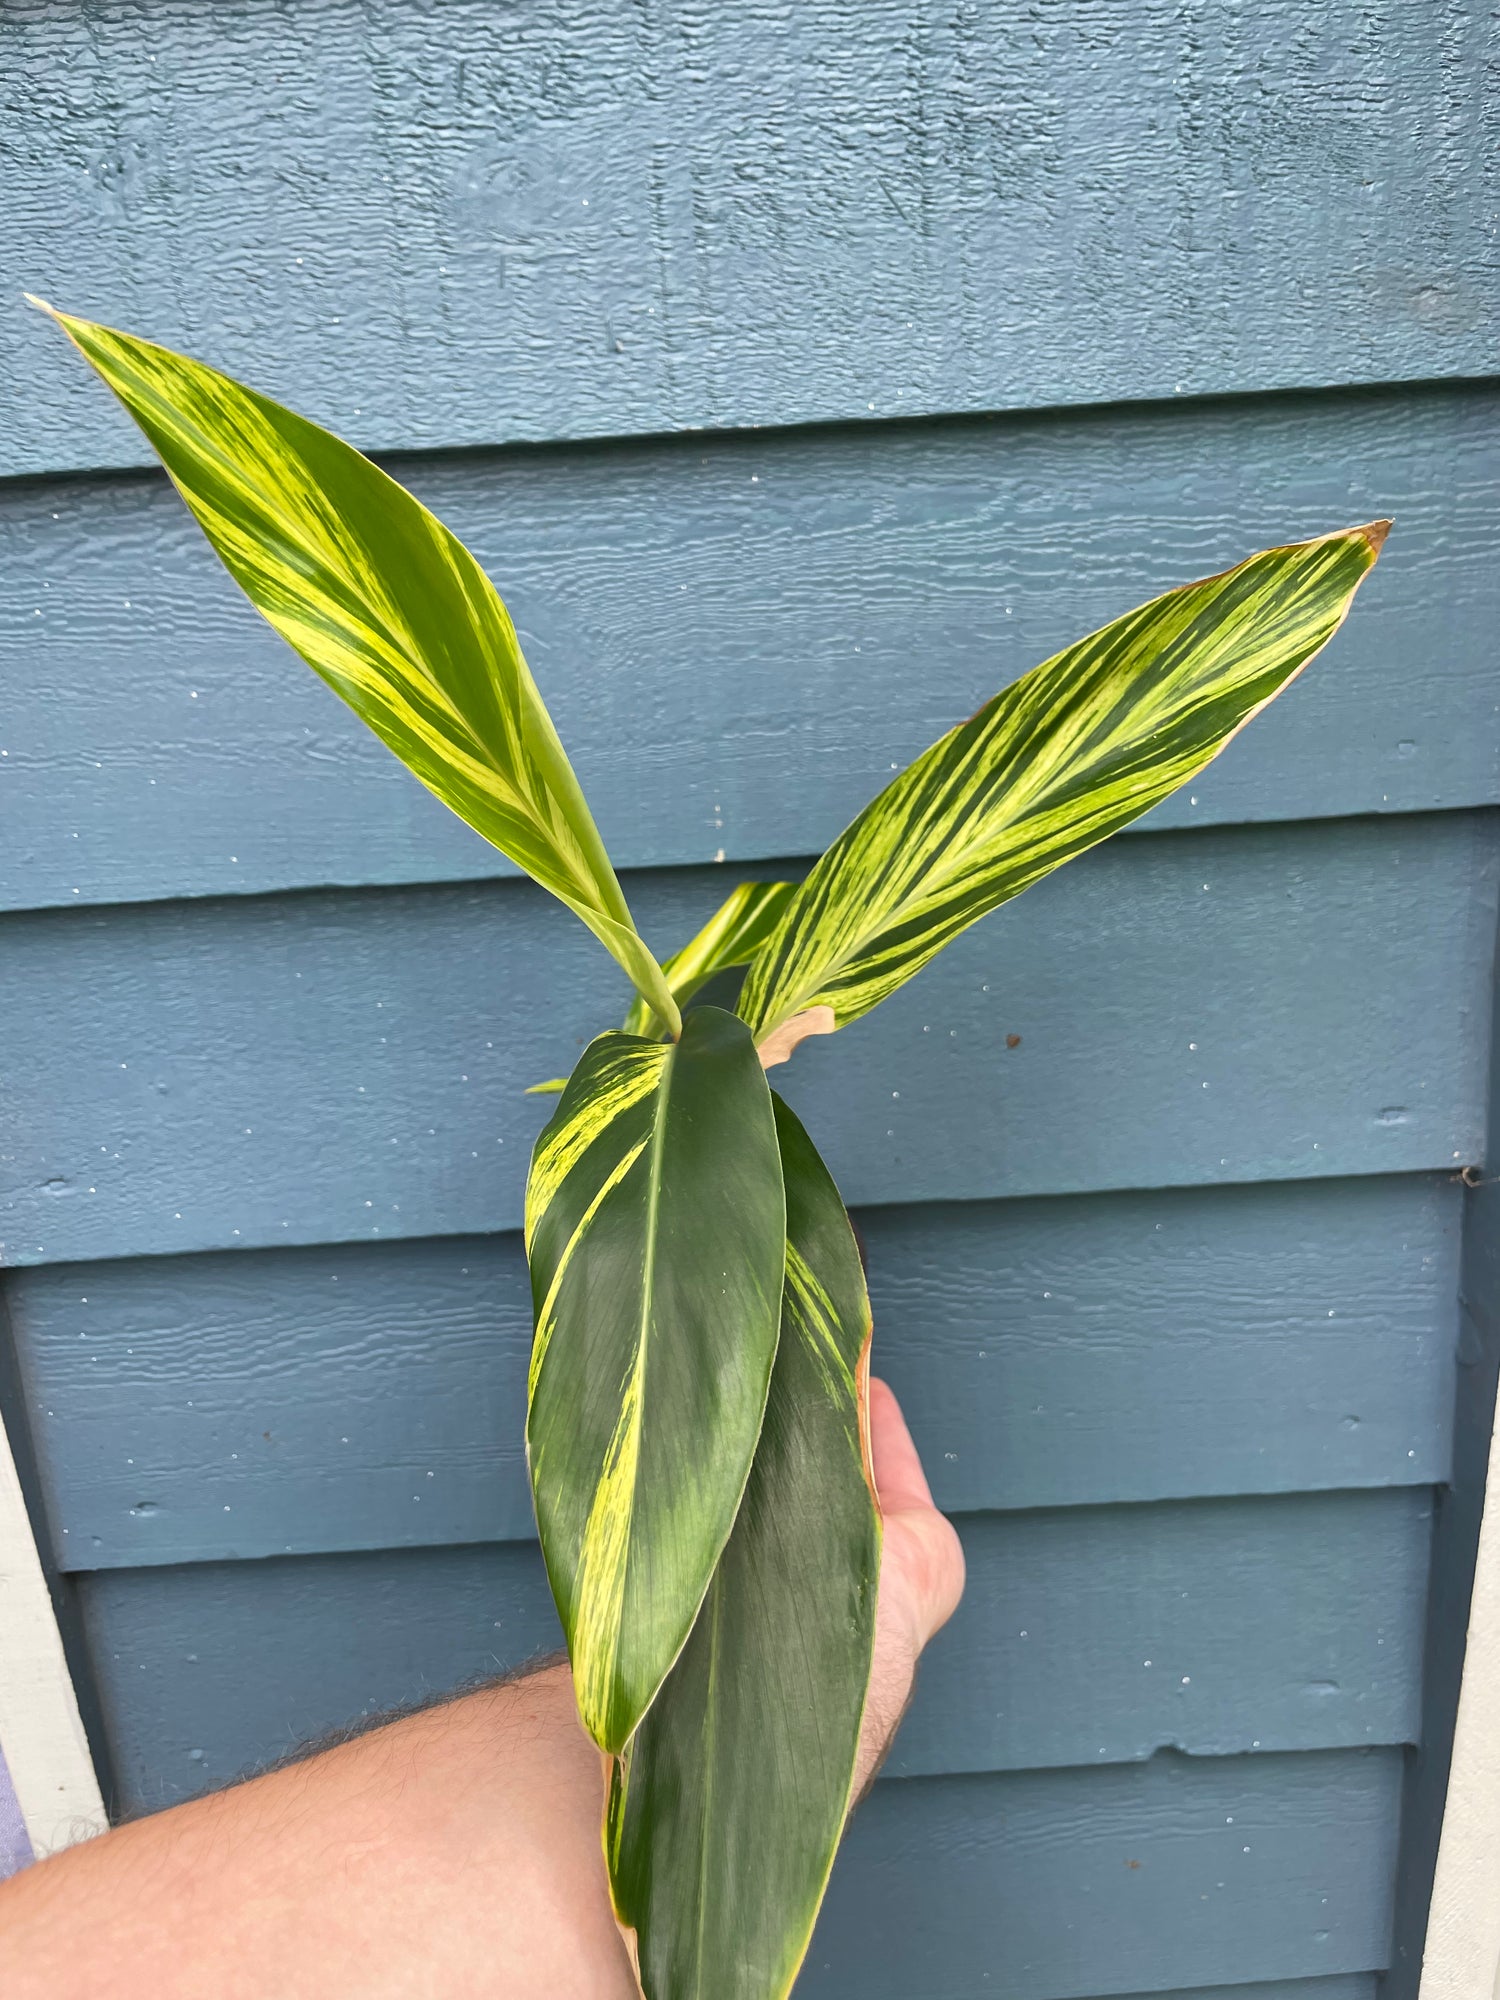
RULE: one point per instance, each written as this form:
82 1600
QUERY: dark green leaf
726 1808
655 1228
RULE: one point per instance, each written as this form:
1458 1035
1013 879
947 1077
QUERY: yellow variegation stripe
546 1318
732 936
606 1549
817 1320
622 1074
386 606
600 1586
1052 765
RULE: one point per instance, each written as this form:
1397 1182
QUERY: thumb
922 1566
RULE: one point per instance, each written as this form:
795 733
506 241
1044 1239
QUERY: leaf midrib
648 1276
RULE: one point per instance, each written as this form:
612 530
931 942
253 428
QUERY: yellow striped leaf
1055 763
656 1235
725 1809
386 606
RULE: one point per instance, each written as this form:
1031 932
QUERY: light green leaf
388 607
732 936
1055 763
726 1808
656 1235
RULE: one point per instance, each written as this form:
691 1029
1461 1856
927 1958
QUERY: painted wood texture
1127 1347
1103 1634
951 1887
1169 1286
597 220
764 625
1089 1636
1340 1986
317 1067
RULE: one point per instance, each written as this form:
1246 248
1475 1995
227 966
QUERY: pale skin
453 1851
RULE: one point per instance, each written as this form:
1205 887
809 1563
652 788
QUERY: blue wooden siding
561 221
1281 1338
748 347
345 1064
763 622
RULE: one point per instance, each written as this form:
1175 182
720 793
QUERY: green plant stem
650 982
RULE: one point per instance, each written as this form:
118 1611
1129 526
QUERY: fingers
899 1478
924 1559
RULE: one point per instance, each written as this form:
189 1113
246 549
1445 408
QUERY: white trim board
41 1733
1462 1956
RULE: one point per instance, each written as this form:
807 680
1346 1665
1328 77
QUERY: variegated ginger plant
696 1414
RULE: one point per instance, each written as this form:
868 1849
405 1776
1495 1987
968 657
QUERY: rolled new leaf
1055 763
386 606
726 1808
656 1234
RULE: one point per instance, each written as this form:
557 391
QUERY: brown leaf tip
1375 533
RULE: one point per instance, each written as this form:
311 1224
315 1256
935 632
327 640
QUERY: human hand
921 1579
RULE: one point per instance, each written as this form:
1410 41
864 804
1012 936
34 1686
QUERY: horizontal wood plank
1227 1005
1248 1339
210 1671
740 636
1135 1878
1339 1986
1088 1349
1087 1636
1102 1634
592 220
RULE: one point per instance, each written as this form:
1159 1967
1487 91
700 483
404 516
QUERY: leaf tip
41 305
1375 533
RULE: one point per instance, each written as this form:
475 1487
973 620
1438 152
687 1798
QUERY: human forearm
454 1851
